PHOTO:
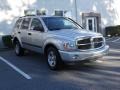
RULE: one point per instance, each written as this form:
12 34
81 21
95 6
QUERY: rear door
26 37
16 29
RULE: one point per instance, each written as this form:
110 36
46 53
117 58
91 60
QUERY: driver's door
37 32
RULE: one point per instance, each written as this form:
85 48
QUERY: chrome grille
84 41
97 39
84 47
97 45
90 43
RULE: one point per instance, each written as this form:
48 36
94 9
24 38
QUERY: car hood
73 34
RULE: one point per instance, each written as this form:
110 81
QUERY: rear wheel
18 49
53 59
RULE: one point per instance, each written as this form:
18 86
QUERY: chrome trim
92 43
96 53
84 44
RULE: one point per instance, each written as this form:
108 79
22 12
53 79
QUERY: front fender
55 42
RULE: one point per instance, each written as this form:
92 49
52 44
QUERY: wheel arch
16 39
49 45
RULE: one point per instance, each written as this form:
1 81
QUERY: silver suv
60 39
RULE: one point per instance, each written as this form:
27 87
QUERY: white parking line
15 68
116 40
111 38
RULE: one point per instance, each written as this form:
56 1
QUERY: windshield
58 23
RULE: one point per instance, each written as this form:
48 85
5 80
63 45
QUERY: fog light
75 57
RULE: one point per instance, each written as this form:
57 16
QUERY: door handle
19 32
29 34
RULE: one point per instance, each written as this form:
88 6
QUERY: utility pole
76 12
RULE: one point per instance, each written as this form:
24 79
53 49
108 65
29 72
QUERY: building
93 15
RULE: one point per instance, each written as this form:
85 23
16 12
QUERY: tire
53 59
19 51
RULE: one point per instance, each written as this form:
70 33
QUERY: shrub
113 30
7 41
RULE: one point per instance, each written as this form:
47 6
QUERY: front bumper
83 55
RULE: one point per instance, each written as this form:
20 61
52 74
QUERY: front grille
90 43
97 39
84 47
84 41
97 45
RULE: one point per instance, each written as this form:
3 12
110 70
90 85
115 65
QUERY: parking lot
30 72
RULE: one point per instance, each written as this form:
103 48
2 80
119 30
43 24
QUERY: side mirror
37 28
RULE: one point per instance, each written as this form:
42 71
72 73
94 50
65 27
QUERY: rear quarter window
25 23
17 24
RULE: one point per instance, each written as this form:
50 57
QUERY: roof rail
29 15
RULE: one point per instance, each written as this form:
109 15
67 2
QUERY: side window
17 24
25 23
36 25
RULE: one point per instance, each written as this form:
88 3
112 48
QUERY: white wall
11 9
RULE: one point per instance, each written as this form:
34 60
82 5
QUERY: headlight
69 46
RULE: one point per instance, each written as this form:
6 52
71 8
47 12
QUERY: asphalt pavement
30 72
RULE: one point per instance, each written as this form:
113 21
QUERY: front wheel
53 59
18 49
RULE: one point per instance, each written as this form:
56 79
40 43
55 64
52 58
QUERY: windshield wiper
55 29
76 23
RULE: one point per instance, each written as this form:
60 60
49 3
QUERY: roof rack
33 12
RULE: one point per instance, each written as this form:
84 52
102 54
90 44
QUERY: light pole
28 4
76 13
